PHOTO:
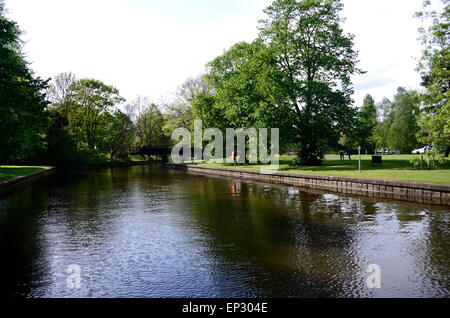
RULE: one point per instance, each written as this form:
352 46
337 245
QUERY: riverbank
428 193
394 167
11 172
123 164
13 176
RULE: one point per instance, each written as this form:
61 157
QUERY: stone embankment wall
387 189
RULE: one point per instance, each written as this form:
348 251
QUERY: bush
432 160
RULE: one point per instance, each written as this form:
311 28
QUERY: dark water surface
151 232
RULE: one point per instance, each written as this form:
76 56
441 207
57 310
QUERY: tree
399 126
117 132
23 115
180 109
434 68
385 110
61 147
244 92
295 76
367 121
60 92
402 132
91 98
149 122
204 107
316 61
241 88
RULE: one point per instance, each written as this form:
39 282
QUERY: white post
359 158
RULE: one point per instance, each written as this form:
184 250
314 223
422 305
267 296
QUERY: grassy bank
394 167
137 158
10 172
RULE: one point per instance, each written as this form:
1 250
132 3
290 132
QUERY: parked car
384 151
421 150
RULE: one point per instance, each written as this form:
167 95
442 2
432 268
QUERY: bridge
157 151
153 151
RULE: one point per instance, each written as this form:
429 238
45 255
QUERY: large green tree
295 76
435 70
399 124
316 60
244 92
403 129
242 85
23 115
116 134
204 107
90 99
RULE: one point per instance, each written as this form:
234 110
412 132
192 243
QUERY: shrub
432 159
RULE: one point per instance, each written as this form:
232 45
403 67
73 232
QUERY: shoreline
413 192
427 193
122 164
11 184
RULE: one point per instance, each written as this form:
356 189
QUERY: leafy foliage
90 99
432 160
295 76
367 121
435 70
399 126
117 133
149 122
316 60
23 115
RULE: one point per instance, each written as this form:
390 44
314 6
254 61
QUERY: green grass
135 158
132 158
394 167
10 172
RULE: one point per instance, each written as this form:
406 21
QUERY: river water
152 232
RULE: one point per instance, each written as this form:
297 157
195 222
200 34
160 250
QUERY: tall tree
117 133
242 86
403 129
385 111
435 70
316 61
149 122
204 107
398 127
60 92
180 108
91 98
23 115
367 121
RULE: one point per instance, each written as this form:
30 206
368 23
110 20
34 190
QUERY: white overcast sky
149 47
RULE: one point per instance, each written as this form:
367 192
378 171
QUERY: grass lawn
394 167
10 172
